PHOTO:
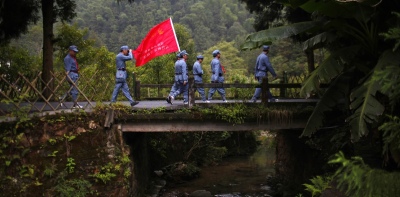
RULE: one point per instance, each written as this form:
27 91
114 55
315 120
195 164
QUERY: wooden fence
25 92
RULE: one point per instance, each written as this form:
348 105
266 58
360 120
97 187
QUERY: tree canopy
362 71
12 26
208 21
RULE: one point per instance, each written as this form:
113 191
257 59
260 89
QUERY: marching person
72 68
124 55
181 79
174 86
263 65
217 76
198 77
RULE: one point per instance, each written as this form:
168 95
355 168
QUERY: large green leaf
331 67
318 41
257 39
335 93
322 74
367 109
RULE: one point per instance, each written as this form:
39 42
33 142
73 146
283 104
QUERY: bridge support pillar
296 162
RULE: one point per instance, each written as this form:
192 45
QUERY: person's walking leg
202 94
270 97
211 92
171 93
221 92
115 92
201 91
74 90
185 90
257 92
125 90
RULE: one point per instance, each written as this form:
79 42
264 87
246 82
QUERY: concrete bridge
158 117
23 94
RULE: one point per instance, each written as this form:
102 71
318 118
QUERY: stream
232 177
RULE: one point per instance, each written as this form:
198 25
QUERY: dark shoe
168 100
77 106
273 100
134 103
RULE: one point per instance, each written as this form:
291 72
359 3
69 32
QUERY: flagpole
173 29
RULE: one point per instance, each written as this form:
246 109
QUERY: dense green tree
362 69
273 13
52 10
32 41
113 24
15 17
209 21
14 60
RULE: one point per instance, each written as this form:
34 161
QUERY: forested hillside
206 25
209 21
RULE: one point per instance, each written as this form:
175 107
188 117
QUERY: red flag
160 40
223 68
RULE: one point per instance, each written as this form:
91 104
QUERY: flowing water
233 177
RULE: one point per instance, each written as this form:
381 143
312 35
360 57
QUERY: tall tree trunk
47 69
310 60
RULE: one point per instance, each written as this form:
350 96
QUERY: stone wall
64 154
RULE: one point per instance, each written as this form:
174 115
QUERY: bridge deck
41 108
142 104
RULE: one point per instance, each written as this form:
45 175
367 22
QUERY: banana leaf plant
350 30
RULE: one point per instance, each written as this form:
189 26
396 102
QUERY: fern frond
357 179
319 184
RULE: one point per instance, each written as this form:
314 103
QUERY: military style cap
73 48
124 47
265 48
184 53
200 57
215 53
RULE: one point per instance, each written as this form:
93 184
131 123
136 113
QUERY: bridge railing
288 86
25 91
